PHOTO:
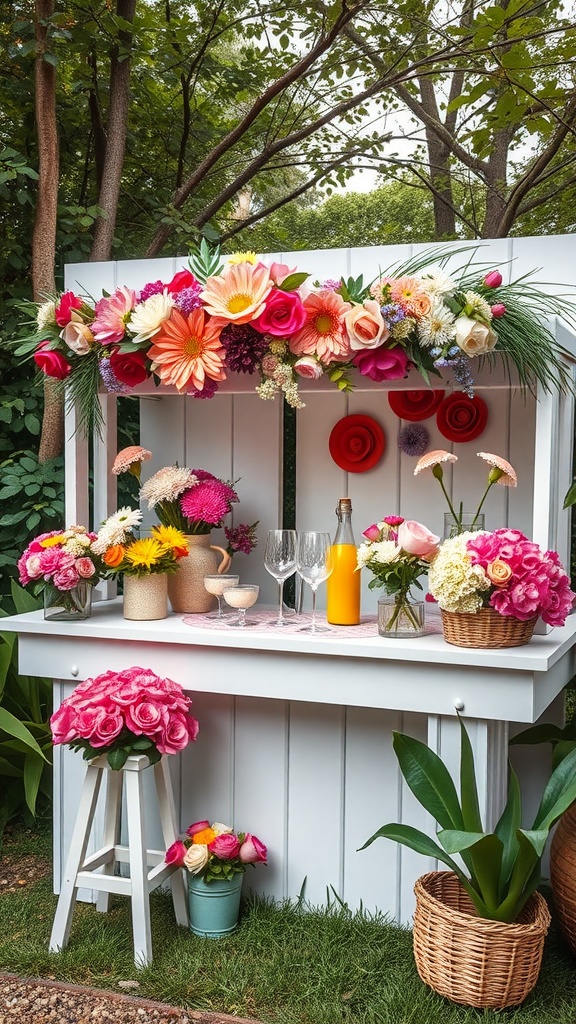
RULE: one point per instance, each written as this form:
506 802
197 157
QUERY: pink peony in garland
124 713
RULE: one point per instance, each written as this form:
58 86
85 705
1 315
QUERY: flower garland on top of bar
245 317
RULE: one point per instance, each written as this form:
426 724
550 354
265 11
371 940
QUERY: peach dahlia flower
238 295
187 350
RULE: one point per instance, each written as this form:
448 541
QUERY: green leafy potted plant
479 928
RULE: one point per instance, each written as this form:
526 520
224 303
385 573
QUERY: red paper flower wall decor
415 405
357 443
460 418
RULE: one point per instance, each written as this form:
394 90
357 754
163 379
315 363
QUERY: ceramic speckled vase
146 597
186 586
214 906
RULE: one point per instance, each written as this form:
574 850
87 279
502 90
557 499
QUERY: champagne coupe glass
314 565
216 585
280 562
242 597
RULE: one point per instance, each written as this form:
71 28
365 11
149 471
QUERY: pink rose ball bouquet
215 852
502 570
397 551
124 713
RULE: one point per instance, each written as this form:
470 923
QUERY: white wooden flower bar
295 731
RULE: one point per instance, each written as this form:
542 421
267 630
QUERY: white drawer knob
74 670
459 705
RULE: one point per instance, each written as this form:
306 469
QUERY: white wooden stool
82 871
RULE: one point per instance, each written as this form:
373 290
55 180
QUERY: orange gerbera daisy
408 293
238 295
324 332
186 350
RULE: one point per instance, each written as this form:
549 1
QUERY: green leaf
485 857
559 794
468 787
507 828
293 281
11 725
33 768
117 759
547 733
429 780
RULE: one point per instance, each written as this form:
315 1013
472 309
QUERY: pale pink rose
417 539
63 724
252 850
474 338
66 578
372 533
196 858
145 718
77 335
280 271
197 826
34 567
176 853
365 325
309 367
85 567
106 728
225 846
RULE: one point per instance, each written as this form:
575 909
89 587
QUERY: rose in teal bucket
216 857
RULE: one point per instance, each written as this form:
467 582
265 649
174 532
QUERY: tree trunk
44 233
116 136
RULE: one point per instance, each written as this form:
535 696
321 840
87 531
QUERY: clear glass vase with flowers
62 567
398 552
456 520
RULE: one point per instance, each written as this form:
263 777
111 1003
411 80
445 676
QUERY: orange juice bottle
343 584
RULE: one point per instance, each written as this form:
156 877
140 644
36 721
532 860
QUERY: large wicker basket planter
563 874
486 628
486 964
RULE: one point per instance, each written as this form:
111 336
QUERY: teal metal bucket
214 906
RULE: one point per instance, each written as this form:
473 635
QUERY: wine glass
280 562
242 597
216 585
314 565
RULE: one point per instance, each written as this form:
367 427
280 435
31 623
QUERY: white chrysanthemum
437 282
384 552
457 585
437 328
116 528
167 485
477 308
363 555
148 316
46 315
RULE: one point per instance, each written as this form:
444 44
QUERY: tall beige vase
186 586
146 597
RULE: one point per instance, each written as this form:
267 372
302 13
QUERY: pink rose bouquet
501 570
124 713
61 560
215 852
397 551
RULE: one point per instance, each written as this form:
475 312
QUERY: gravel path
35 1001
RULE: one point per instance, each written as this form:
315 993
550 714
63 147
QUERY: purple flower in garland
155 288
188 299
244 347
208 391
111 382
413 439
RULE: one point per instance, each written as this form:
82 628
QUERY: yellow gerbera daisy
169 537
52 542
145 553
242 257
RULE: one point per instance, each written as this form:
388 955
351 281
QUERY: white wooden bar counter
295 734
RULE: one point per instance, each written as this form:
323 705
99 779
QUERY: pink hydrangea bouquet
501 570
215 852
61 560
397 551
124 713
240 314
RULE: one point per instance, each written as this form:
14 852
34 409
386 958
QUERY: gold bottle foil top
344 505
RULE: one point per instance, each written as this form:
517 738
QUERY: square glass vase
68 605
401 620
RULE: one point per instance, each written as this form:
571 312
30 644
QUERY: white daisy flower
148 316
477 308
46 315
437 281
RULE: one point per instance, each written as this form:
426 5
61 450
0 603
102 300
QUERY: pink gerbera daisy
238 295
324 333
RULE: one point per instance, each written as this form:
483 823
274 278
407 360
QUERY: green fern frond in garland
205 262
82 388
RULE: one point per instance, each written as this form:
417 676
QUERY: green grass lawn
284 964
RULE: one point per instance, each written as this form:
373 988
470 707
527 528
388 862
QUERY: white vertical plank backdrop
308 776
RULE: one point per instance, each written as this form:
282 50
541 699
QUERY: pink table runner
368 626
